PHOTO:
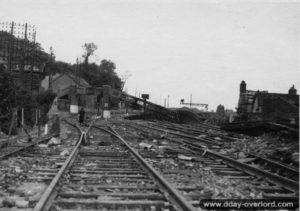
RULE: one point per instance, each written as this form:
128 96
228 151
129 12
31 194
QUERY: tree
58 67
108 76
11 97
99 75
107 66
89 50
44 100
220 110
7 94
124 78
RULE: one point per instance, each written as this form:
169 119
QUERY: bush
44 100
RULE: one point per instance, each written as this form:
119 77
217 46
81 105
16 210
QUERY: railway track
187 162
264 163
26 173
17 147
269 167
201 130
182 133
179 135
108 174
14 148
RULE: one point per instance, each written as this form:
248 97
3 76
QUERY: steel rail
290 168
183 135
40 206
190 132
174 195
281 165
295 170
285 182
44 200
172 126
25 147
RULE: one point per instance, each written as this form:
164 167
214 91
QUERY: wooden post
36 117
168 105
12 123
98 109
39 123
79 71
145 108
22 119
46 129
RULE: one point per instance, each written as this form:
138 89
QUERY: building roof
293 100
83 82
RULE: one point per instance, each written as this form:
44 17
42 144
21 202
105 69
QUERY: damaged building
262 105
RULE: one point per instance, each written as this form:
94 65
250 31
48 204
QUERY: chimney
292 91
243 87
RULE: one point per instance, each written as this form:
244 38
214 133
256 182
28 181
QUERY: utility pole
12 28
22 119
79 72
10 46
39 122
191 101
76 75
144 108
50 74
23 58
13 120
33 57
168 101
145 97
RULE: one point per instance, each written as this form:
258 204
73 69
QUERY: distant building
58 82
246 99
70 90
263 105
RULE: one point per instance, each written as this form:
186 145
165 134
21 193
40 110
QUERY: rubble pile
270 146
21 182
17 188
165 156
212 185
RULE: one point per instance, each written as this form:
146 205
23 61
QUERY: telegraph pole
168 101
50 73
145 97
76 74
79 72
10 46
33 57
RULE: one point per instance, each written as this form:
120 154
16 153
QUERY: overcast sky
175 48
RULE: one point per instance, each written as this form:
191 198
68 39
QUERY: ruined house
262 105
